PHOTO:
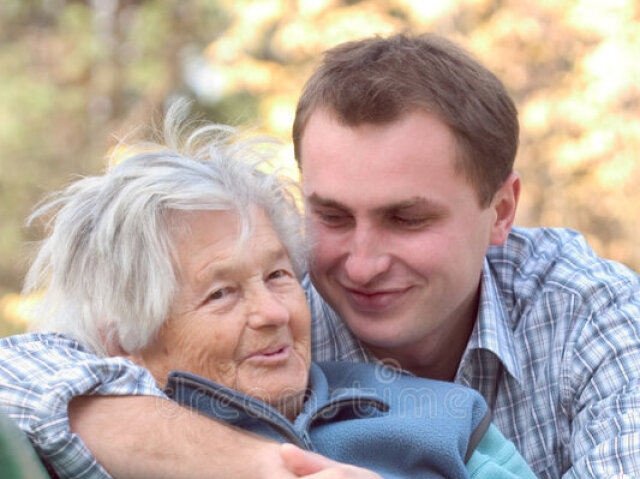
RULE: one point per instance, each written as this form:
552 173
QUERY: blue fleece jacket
371 416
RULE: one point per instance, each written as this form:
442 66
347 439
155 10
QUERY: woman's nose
267 309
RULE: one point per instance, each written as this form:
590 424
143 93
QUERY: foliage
76 75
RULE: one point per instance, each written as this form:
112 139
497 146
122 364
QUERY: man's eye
409 222
332 219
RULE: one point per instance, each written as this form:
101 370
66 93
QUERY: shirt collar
492 330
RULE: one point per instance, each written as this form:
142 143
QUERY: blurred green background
77 75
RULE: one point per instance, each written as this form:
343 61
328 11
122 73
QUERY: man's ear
504 204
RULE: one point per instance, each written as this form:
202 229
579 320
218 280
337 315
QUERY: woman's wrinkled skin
239 316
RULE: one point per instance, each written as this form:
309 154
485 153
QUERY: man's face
398 234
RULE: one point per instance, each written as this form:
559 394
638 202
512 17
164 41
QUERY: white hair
107 264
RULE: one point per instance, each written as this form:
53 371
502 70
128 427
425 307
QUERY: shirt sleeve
601 391
495 457
41 373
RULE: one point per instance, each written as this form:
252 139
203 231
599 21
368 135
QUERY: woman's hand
314 466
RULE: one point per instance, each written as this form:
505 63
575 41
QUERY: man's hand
314 466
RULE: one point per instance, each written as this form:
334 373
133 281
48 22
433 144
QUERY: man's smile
374 301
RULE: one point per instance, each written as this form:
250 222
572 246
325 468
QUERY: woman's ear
112 345
505 203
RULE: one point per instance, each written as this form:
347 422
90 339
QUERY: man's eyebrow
317 200
419 202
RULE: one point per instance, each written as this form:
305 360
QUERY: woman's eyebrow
275 254
213 271
227 267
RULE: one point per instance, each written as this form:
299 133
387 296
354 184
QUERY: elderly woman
184 259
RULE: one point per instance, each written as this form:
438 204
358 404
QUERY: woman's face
239 316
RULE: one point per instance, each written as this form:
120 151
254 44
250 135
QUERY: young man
406 147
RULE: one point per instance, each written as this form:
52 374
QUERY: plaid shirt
40 374
555 352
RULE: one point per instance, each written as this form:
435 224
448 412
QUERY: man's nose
266 308
367 257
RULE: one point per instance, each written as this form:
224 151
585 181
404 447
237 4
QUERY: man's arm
101 417
146 437
602 392
165 440
127 422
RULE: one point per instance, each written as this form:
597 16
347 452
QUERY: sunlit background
77 75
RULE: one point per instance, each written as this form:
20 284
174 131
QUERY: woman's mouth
271 356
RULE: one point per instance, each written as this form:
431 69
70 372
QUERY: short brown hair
377 80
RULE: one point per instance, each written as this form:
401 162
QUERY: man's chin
376 335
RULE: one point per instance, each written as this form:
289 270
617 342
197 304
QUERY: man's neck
437 356
442 362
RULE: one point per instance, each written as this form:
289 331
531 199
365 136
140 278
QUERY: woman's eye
279 273
219 294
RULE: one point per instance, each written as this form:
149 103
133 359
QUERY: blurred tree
571 66
75 74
